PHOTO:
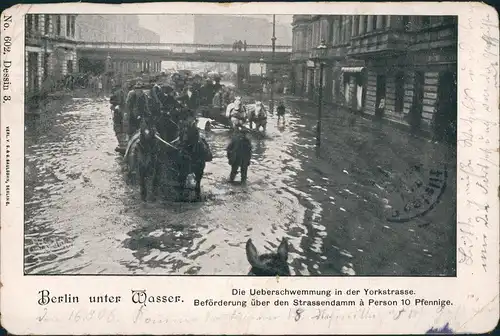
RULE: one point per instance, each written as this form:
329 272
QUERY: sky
178 28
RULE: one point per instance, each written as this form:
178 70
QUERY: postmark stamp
418 190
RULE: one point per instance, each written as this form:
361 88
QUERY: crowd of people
171 92
240 46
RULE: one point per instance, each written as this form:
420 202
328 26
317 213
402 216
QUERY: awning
352 69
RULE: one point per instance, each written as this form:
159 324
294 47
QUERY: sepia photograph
240 144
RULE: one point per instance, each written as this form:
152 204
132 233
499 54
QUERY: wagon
215 114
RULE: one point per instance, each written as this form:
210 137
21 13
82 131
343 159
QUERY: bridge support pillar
242 74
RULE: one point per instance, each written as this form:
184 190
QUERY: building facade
50 51
51 44
399 68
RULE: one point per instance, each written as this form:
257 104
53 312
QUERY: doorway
416 107
445 119
379 95
32 70
310 84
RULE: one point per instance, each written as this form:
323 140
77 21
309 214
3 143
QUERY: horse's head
237 105
147 134
260 111
268 264
167 127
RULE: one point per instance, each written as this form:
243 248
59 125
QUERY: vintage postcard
250 168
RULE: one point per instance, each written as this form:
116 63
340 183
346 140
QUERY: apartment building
50 48
408 61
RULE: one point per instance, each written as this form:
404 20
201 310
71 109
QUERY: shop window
69 66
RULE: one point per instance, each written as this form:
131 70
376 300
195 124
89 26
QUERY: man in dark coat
117 101
137 107
190 98
207 93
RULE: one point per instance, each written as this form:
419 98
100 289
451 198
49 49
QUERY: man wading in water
117 101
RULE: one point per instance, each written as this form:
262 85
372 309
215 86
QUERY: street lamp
261 61
271 72
318 56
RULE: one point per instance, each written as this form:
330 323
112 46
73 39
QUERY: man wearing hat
207 92
136 104
117 101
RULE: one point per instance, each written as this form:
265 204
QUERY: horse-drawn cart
214 113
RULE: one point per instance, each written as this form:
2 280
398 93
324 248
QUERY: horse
268 264
237 113
145 146
150 150
258 115
194 152
239 154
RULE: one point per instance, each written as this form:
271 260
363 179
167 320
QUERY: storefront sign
352 69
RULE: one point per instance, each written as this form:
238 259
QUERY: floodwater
82 218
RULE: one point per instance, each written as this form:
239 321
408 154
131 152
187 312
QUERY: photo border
475 310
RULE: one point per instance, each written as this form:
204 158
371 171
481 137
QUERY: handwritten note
478 115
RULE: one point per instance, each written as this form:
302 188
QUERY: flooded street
81 217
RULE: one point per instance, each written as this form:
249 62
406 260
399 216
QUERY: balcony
379 43
335 52
36 38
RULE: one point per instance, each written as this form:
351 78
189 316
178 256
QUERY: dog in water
268 264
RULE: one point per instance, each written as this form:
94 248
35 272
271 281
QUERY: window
406 22
347 29
46 24
73 26
383 21
45 65
36 24
400 91
333 32
426 21
449 20
29 23
340 38
68 25
58 25
365 24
